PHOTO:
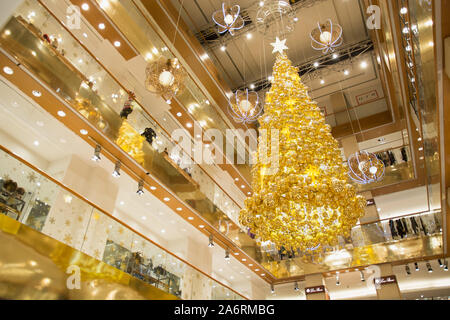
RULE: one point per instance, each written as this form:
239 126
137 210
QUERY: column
386 285
315 287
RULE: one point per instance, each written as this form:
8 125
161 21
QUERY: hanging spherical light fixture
326 36
245 106
165 77
228 19
276 18
365 167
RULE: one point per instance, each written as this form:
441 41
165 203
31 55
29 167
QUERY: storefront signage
385 280
318 289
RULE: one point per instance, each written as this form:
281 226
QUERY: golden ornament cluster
308 202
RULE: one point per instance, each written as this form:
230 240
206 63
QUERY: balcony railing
37 201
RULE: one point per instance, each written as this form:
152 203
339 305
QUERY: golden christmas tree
131 142
308 202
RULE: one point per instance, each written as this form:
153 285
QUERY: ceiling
247 60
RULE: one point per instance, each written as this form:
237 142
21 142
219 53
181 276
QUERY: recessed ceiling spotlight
179 209
153 188
179 114
249 36
166 199
364 64
36 143
191 218
163 231
223 48
201 226
346 72
37 93
101 26
61 113
85 35
189 125
335 55
8 70
295 19
85 6
252 86
316 64
83 132
404 10
261 3
322 81
117 44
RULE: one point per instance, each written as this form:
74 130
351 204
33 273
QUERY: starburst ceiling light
244 106
275 18
326 37
165 77
365 167
228 19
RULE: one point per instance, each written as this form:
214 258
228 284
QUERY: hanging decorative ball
165 77
326 36
276 19
245 107
365 167
228 19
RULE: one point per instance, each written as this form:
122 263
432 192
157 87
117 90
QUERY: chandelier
326 37
307 202
165 77
228 19
276 19
245 107
365 167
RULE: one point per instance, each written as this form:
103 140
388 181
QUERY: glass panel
32 199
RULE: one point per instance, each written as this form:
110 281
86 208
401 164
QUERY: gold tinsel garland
308 201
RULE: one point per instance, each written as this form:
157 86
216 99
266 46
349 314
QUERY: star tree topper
279 45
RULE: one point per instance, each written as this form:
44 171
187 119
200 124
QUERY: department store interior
132 134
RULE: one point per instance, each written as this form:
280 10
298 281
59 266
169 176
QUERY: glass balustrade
36 201
77 77
389 240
